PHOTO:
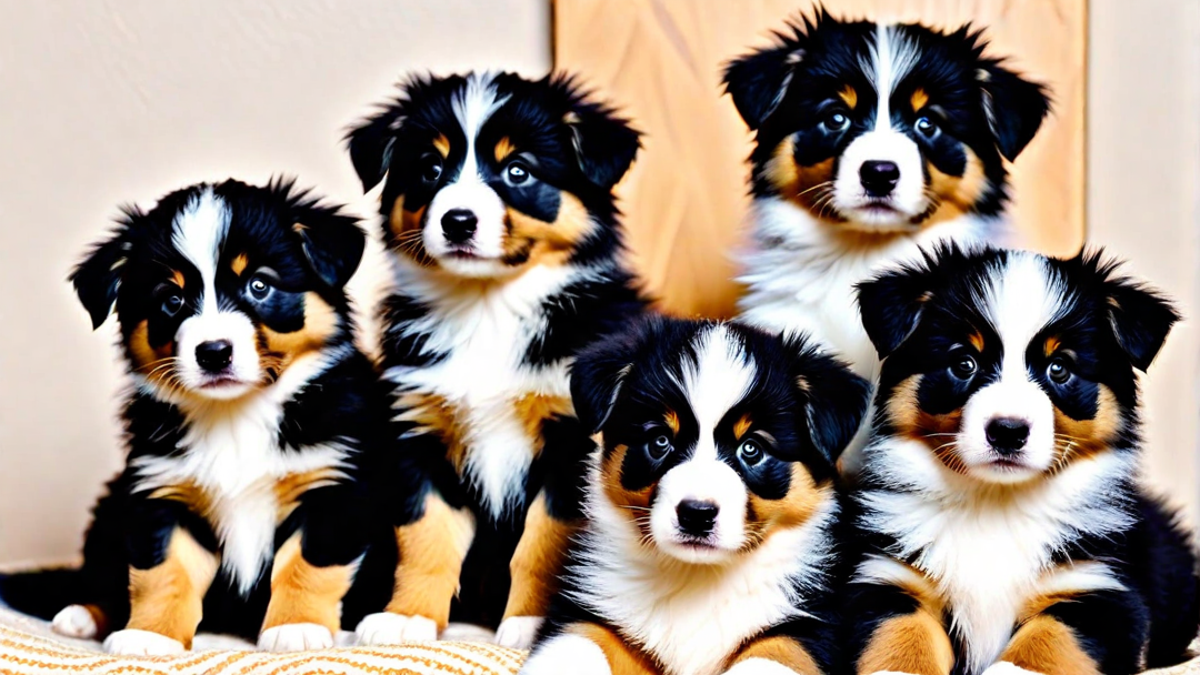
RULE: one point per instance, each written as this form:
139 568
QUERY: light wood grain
660 60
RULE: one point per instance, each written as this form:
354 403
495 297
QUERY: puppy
1003 526
499 212
241 507
871 140
710 541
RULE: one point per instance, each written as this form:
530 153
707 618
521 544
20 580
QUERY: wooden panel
660 61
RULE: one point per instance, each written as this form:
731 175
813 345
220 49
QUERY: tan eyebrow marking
442 145
976 339
239 264
849 95
504 148
741 426
177 277
672 419
919 99
1052 344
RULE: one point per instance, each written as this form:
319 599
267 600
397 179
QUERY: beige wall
108 102
122 101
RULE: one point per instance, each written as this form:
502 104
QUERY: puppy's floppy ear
605 145
333 246
1140 316
370 144
891 305
596 378
98 277
757 81
836 397
1014 107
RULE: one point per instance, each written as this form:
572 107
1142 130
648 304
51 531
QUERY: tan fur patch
156 363
504 148
282 349
442 145
785 651
304 593
530 241
741 426
976 340
168 599
850 95
239 264
935 431
536 563
672 419
405 227
178 278
919 99
808 186
291 487
1046 645
765 517
634 504
623 658
432 550
534 409
1077 439
189 494
910 643
1052 344
955 195
433 414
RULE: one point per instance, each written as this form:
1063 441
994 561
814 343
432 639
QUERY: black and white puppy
1003 524
242 507
499 212
710 541
871 140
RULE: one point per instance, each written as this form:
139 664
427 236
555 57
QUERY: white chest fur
231 455
484 333
693 618
989 552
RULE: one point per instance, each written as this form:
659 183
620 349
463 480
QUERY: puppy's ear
757 81
596 378
370 144
836 398
333 246
1014 107
891 305
98 277
1140 316
605 145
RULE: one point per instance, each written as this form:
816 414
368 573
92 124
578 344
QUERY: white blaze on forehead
893 55
718 380
198 232
1021 300
473 105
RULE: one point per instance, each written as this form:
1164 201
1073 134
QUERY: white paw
567 654
295 637
1007 668
518 632
385 628
133 642
759 667
75 621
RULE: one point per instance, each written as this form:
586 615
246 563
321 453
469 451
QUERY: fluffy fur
710 541
1000 514
871 141
242 507
499 211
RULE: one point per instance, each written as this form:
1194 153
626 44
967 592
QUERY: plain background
121 101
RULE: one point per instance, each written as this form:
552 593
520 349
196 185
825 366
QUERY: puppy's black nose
1007 435
458 225
696 517
215 355
879 178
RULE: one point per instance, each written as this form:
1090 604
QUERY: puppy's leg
897 630
587 649
432 549
168 577
774 655
1101 632
535 566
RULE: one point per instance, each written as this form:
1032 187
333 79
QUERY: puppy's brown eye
964 366
431 168
659 446
1058 370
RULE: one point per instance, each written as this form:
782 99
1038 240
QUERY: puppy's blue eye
172 304
927 127
659 446
259 288
516 173
836 122
751 452
1058 370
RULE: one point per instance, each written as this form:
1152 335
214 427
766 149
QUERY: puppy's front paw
385 628
518 632
133 642
567 654
75 621
295 637
1008 668
758 666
